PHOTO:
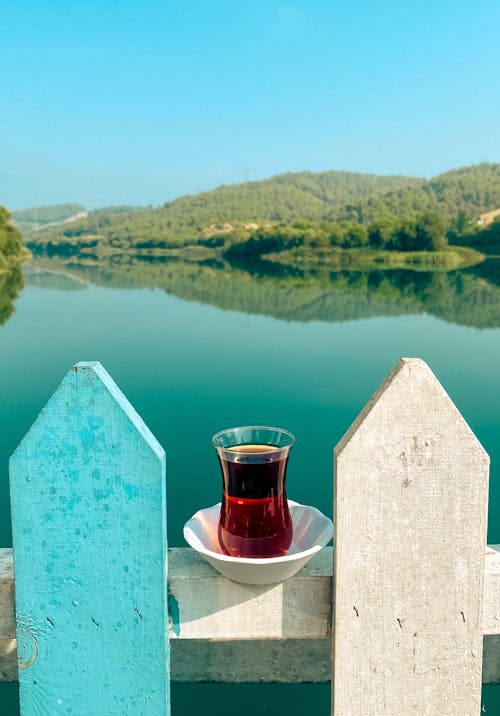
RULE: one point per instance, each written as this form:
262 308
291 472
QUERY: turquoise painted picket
90 555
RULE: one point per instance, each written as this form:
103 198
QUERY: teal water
307 357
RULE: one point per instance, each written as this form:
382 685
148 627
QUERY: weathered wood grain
411 491
89 535
8 654
491 602
203 648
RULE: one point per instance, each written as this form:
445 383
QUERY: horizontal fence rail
402 615
223 631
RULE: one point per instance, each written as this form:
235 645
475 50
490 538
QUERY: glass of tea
254 518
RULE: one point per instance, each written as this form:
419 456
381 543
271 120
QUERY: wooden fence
414 589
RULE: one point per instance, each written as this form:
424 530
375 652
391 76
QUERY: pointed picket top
411 486
416 371
94 371
89 532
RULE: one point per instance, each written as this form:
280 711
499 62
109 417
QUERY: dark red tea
255 519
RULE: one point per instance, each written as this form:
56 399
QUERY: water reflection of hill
57 280
11 283
469 297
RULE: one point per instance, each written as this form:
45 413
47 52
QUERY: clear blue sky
138 101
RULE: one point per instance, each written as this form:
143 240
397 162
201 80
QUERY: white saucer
311 532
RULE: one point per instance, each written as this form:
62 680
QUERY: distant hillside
472 190
233 214
47 214
287 197
489 217
487 239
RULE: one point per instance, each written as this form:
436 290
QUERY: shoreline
452 258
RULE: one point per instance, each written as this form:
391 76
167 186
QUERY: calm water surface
191 368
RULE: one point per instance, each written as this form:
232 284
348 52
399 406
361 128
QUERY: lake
200 347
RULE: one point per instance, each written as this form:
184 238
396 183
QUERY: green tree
10 239
380 231
430 232
355 237
461 224
404 236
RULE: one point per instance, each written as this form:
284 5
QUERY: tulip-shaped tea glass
254 519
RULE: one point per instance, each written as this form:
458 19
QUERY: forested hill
47 214
288 197
12 250
231 213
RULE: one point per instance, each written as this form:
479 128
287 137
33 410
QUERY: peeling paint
27 647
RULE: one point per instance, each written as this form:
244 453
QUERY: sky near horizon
137 102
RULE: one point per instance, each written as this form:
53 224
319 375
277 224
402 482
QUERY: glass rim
270 428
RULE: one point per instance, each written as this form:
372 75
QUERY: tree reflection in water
468 296
11 284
